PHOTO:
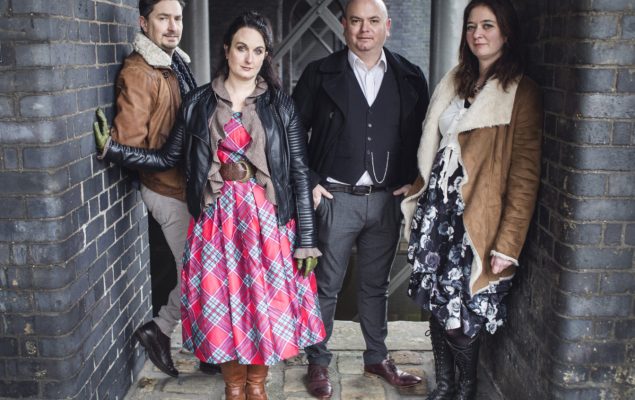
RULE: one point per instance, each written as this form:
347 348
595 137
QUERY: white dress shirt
369 79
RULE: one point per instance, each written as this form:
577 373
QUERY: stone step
407 342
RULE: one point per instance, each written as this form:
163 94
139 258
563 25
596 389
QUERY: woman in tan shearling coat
468 217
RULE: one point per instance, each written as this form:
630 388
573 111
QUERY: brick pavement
409 347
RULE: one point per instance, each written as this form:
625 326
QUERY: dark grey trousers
372 223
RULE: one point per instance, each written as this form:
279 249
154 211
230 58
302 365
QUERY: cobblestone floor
409 347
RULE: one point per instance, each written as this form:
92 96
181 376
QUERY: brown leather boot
256 378
235 377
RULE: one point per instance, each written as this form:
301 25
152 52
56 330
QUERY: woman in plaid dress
248 294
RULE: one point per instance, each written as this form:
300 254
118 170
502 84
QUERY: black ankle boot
443 363
466 358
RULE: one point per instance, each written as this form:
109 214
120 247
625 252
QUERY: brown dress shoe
388 371
157 345
318 383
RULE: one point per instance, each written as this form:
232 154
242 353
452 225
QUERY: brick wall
73 241
571 333
410 31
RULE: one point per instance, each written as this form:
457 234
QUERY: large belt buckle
249 172
370 190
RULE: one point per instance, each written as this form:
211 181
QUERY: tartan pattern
243 297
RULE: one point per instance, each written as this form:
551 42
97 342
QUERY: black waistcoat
370 139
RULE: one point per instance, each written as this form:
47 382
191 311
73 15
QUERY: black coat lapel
408 95
334 82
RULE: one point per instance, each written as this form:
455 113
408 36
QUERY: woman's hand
308 264
499 264
101 130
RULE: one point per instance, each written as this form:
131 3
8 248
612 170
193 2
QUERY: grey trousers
174 219
372 223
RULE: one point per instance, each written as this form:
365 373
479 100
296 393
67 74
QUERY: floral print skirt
440 253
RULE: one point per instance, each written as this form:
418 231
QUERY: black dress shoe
209 369
319 384
157 346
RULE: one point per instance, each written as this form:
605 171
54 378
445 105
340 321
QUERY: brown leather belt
240 171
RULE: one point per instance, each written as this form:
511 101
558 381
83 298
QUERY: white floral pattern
441 257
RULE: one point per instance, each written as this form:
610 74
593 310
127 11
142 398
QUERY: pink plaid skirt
243 297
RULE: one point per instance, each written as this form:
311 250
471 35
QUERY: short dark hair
253 20
146 6
509 65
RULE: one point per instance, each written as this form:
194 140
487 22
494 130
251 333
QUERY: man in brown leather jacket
150 86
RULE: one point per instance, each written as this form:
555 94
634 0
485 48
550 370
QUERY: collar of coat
153 54
333 70
338 62
493 106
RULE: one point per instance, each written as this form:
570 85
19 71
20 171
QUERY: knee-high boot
235 377
466 358
443 363
256 378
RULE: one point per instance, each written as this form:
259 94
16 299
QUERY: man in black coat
364 106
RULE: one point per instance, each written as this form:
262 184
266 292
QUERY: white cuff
504 257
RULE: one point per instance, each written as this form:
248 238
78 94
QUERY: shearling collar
153 54
493 106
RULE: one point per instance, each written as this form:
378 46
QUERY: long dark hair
508 67
253 20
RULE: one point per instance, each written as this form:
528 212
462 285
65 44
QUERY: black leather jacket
189 142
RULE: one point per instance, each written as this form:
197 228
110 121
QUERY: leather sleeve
524 174
157 160
135 102
296 137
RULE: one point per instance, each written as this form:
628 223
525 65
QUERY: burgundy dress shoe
157 345
209 369
318 383
388 371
